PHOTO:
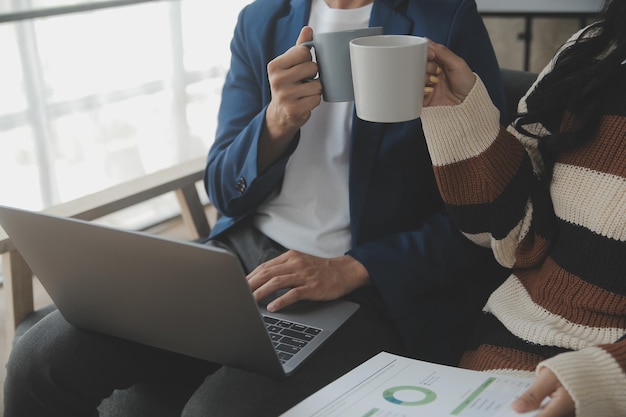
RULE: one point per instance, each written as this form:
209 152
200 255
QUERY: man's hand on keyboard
308 277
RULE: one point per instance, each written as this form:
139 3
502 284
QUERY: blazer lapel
288 26
366 136
365 140
385 13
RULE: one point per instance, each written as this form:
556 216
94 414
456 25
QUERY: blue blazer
400 231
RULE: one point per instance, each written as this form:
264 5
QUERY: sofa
167 399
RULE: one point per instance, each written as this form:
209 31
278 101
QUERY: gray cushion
516 84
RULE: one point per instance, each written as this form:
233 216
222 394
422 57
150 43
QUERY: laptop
180 296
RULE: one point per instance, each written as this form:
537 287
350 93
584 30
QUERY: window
94 98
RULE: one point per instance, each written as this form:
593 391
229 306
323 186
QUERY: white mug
388 75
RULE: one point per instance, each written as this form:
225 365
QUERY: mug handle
309 44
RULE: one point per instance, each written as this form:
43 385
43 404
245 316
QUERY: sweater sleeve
594 377
488 178
488 175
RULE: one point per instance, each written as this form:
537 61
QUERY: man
354 202
313 200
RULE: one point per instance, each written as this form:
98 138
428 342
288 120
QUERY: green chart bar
371 413
473 396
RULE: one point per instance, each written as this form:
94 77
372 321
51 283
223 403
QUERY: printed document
388 385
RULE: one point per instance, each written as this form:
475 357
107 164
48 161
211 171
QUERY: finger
560 405
277 260
295 55
306 34
430 53
276 283
311 89
259 276
433 68
290 297
431 80
279 266
432 71
443 56
545 384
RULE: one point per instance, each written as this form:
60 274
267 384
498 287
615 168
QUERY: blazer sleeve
232 181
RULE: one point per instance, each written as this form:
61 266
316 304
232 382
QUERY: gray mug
332 52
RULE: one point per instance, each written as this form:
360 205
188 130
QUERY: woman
548 194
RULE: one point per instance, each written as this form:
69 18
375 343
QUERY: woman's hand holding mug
448 77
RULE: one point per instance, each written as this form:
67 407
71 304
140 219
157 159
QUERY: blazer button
241 185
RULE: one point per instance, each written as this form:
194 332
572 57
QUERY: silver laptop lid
180 296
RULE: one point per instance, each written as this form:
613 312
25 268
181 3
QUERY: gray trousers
57 370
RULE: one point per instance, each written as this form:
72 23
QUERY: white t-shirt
311 212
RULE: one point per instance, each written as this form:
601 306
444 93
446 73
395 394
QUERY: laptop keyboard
289 337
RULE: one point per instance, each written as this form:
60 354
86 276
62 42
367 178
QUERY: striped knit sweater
564 305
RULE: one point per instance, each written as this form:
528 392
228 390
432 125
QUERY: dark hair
587 75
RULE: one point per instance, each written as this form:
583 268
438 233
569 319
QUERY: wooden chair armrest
93 206
181 179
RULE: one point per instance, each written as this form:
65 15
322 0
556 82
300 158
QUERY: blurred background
90 99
